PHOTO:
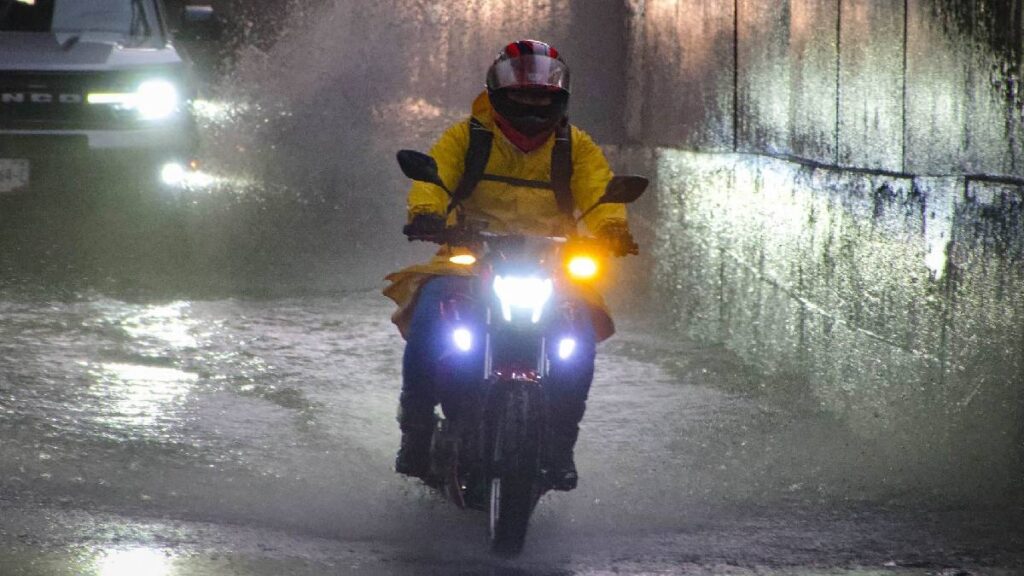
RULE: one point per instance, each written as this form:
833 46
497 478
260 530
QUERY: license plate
14 174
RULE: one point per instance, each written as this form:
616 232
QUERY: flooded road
256 436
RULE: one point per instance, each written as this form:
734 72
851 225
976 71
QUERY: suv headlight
156 99
530 294
153 100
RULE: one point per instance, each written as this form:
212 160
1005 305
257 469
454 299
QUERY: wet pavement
249 436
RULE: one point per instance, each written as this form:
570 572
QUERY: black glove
617 235
424 227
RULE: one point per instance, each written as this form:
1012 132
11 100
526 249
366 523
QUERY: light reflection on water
134 562
167 323
139 395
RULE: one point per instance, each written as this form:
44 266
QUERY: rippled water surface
256 436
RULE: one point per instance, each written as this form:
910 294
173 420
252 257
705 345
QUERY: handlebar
469 238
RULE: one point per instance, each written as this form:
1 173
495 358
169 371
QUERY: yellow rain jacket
506 207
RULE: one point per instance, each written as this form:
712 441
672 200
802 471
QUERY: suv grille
57 101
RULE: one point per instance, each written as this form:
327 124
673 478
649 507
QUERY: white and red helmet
529 64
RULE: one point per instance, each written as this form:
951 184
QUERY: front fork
461 444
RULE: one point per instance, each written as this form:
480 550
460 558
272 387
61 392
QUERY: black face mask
529 119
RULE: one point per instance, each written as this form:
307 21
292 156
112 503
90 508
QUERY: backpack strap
479 152
477 155
561 168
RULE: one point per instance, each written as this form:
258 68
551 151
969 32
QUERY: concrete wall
840 203
918 87
892 303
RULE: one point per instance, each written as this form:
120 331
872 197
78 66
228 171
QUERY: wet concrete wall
839 202
920 87
893 303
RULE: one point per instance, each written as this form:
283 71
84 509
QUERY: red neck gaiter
522 141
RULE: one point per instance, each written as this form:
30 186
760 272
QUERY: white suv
93 88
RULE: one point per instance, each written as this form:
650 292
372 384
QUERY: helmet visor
529 71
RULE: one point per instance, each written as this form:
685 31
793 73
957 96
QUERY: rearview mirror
620 190
624 190
199 23
420 167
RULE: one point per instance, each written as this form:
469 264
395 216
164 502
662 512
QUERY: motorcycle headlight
566 348
463 339
153 100
529 294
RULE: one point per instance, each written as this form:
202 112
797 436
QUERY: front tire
515 464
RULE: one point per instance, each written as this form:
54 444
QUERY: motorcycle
513 323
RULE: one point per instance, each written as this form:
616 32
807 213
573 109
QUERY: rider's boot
561 466
567 401
565 412
416 419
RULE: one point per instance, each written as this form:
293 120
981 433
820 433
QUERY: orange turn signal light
463 259
582 267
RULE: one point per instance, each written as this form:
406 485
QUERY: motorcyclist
524 107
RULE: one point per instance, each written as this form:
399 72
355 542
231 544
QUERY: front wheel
514 464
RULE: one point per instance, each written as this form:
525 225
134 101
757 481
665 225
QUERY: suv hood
40 52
